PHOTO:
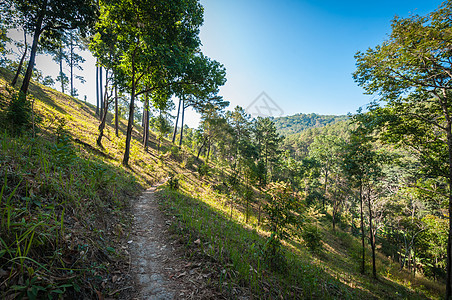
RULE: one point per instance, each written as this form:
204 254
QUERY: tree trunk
34 47
21 63
449 241
61 68
71 59
208 150
199 151
372 235
182 123
101 96
325 189
116 112
177 120
104 115
146 124
125 160
362 228
334 215
97 90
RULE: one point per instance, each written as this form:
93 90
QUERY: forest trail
157 264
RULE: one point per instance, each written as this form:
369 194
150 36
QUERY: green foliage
173 182
300 122
19 113
312 237
203 170
280 214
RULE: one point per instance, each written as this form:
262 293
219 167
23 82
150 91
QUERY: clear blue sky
300 53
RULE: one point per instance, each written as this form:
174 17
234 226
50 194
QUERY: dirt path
157 265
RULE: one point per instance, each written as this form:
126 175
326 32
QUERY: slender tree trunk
182 123
71 59
61 68
372 235
116 112
143 123
325 188
104 115
362 228
449 241
21 63
177 120
97 90
125 160
34 47
334 215
101 96
208 150
146 124
199 151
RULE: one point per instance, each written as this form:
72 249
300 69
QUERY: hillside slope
223 236
299 122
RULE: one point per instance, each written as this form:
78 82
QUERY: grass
64 213
238 249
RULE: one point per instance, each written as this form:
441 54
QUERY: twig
119 290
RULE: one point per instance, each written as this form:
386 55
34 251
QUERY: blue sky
300 53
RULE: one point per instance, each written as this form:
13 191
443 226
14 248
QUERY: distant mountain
299 122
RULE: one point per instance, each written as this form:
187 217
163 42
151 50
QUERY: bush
274 254
173 182
19 113
175 152
203 170
312 237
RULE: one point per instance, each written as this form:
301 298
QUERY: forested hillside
349 207
299 122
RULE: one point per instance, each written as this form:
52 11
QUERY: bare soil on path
158 268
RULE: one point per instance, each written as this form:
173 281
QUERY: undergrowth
240 251
58 213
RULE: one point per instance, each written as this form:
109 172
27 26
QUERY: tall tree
325 148
412 73
268 144
199 87
155 40
362 165
51 19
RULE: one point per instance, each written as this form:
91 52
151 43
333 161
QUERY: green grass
58 208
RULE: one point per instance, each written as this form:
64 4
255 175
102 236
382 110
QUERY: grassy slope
202 213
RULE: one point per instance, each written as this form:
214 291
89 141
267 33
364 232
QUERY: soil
158 268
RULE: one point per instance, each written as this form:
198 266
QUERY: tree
155 43
325 149
268 143
412 73
199 88
162 125
361 166
280 208
51 19
5 23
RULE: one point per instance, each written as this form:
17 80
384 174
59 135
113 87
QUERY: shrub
19 113
173 182
203 170
279 208
312 237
